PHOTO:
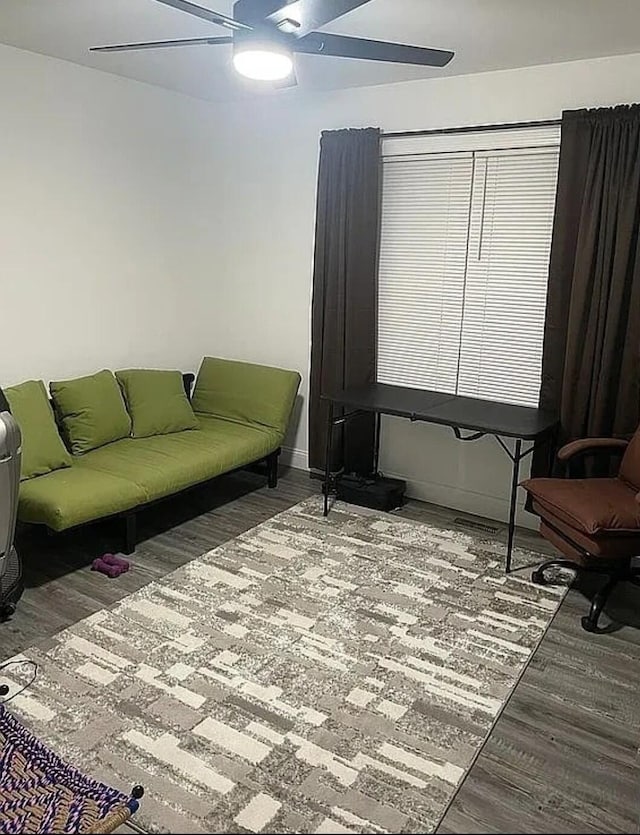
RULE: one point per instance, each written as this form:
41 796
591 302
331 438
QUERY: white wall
259 306
98 227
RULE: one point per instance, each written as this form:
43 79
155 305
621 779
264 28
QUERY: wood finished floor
563 755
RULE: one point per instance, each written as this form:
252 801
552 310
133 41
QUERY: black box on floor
378 493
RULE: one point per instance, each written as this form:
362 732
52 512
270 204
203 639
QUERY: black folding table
468 414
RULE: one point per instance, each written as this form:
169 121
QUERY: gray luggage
10 566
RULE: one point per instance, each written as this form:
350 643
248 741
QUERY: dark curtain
344 309
591 357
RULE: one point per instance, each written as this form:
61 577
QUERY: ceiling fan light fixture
262 61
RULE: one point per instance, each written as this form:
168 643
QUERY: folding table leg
376 448
516 458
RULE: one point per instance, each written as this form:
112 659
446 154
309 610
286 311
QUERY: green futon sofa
107 445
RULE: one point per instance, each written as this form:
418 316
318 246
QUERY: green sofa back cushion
91 411
247 393
156 401
42 447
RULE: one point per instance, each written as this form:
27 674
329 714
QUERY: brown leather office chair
594 522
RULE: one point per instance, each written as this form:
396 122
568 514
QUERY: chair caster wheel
538 578
7 611
588 625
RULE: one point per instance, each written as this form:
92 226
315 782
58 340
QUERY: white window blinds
422 269
464 254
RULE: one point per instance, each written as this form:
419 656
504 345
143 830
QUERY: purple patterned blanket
39 792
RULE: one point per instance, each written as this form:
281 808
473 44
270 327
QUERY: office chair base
7 611
590 621
616 574
540 578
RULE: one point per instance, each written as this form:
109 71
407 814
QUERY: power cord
4 688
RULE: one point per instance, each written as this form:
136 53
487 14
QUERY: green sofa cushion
251 394
75 495
156 401
42 447
164 464
91 411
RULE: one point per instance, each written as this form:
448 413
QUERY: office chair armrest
573 455
592 446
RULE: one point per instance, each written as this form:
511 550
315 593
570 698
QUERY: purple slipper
113 559
104 568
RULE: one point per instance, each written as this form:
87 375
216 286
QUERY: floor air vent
476 526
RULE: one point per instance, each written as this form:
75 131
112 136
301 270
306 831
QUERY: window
464 256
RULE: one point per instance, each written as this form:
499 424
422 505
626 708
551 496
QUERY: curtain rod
543 123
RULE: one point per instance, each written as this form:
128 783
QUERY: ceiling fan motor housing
264 33
254 12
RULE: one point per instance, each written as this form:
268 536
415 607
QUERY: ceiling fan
266 34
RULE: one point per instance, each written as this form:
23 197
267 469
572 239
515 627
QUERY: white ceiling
485 34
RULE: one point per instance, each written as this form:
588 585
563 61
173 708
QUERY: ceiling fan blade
302 16
127 47
341 46
206 14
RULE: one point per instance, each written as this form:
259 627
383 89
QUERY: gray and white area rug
310 676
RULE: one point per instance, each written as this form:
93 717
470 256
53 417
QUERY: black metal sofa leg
129 533
590 621
272 469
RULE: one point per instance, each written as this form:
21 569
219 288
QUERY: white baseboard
296 458
468 501
445 495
